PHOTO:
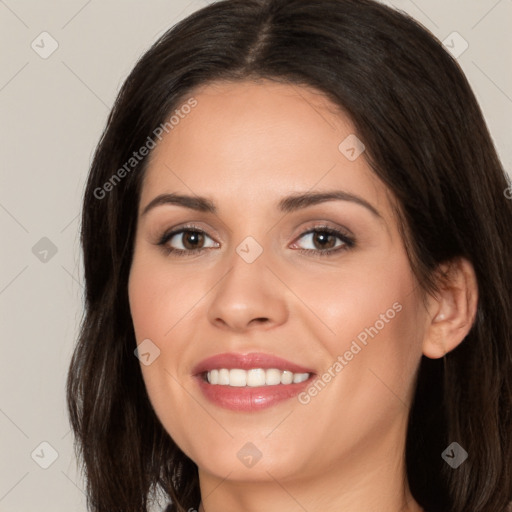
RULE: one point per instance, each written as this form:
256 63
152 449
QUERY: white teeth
237 378
255 377
300 377
272 377
286 377
213 376
223 377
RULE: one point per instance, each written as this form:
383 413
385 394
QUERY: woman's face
350 320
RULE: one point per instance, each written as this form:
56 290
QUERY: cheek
161 297
374 317
158 306
370 317
365 293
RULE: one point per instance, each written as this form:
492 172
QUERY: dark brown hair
427 141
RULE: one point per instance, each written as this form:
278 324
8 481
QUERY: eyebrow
286 205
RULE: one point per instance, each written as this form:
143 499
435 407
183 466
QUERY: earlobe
452 311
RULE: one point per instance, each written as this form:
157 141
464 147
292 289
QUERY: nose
248 296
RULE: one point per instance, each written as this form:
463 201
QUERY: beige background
53 111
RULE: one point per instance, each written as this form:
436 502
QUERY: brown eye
324 240
184 242
192 239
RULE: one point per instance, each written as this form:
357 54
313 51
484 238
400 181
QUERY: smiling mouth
250 382
255 377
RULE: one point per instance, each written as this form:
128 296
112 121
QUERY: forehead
258 140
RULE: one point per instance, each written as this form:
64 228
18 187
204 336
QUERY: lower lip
247 398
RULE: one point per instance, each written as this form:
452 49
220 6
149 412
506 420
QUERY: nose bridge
247 291
250 250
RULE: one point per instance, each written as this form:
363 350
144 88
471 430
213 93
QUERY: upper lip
247 362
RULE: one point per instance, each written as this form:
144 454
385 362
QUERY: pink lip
248 399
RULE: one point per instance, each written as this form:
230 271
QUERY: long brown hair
427 141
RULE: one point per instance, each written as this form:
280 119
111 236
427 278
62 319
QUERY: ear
452 311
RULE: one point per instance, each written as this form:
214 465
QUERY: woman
298 271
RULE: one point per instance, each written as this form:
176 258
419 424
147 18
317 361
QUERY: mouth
250 382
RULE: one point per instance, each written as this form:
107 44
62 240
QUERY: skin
245 146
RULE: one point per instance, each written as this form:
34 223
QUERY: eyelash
348 242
